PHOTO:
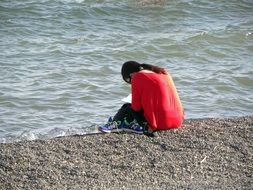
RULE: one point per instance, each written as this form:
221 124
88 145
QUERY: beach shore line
204 154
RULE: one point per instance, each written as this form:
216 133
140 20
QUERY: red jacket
157 96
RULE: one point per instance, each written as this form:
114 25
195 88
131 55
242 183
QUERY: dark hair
130 67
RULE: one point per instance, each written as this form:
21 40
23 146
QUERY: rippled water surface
60 60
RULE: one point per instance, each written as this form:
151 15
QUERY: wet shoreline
204 154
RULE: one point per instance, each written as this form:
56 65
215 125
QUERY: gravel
208 153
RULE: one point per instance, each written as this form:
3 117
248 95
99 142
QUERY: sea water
60 60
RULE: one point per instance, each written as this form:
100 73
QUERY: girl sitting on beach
155 101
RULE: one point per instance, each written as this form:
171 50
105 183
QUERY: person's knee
126 105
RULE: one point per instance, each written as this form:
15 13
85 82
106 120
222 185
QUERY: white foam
45 134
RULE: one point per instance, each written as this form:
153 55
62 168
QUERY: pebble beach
204 154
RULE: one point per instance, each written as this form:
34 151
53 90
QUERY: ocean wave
49 133
60 60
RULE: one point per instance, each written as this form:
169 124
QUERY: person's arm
137 110
136 93
136 101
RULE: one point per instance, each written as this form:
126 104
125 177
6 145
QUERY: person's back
157 96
